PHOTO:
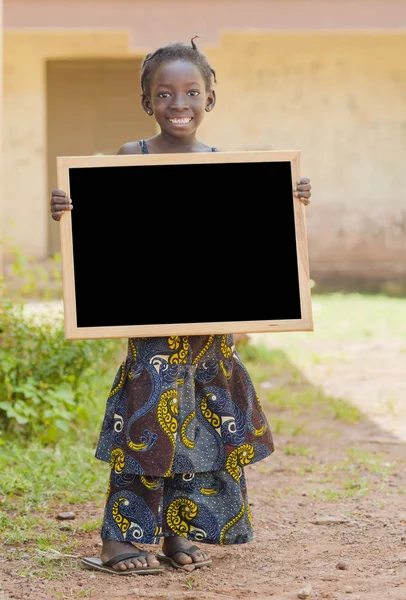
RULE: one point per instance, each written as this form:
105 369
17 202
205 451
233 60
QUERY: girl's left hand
303 190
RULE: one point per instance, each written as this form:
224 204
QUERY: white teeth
180 121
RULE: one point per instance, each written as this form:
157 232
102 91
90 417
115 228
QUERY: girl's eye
163 95
194 92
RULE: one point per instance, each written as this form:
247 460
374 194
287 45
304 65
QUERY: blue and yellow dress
182 421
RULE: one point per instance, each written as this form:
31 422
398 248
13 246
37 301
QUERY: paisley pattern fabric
183 405
182 421
203 507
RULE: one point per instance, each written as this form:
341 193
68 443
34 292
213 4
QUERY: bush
48 385
27 278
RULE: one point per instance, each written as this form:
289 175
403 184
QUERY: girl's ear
210 101
146 105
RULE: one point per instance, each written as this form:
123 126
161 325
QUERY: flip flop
169 559
97 565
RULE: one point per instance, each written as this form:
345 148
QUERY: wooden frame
183 244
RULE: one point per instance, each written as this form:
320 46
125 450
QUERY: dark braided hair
176 51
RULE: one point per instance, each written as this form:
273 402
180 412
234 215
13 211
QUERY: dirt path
371 376
329 506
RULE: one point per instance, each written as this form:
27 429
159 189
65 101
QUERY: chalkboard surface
183 244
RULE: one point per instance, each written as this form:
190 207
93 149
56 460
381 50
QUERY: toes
134 563
139 562
183 559
152 561
181 554
199 556
148 560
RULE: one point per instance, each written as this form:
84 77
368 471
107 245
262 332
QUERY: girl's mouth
180 121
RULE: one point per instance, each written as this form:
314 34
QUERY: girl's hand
59 204
303 190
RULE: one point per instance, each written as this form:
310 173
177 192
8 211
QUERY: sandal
97 565
169 558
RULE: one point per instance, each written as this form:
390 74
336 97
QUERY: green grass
357 317
285 426
39 483
352 318
357 474
341 410
349 488
377 464
283 386
296 450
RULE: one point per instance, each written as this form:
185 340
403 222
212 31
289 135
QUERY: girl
182 418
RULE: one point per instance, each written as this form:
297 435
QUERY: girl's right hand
59 204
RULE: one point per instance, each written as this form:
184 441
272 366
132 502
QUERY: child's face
178 98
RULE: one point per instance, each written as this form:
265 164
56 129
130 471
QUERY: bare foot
110 549
174 545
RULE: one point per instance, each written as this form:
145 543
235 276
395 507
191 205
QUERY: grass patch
263 362
377 464
343 411
284 387
296 450
348 317
349 489
50 564
43 481
325 494
284 399
285 426
357 474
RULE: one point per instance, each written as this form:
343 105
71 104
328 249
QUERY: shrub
48 385
27 278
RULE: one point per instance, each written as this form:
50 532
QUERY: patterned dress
181 423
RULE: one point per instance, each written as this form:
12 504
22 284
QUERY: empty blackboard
172 244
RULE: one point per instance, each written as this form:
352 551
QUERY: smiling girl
189 398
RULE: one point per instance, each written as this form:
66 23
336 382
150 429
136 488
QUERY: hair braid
176 51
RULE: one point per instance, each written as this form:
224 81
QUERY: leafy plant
47 383
30 278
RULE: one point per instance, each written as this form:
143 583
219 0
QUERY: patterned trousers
203 507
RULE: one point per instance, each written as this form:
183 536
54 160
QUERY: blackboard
183 244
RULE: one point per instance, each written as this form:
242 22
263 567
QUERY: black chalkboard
183 244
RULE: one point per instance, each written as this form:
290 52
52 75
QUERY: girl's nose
179 102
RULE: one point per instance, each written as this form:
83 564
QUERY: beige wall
156 22
339 97
92 107
26 213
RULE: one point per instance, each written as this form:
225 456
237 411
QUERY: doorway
93 107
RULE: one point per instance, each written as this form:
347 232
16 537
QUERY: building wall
335 88
340 99
92 107
26 213
157 22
